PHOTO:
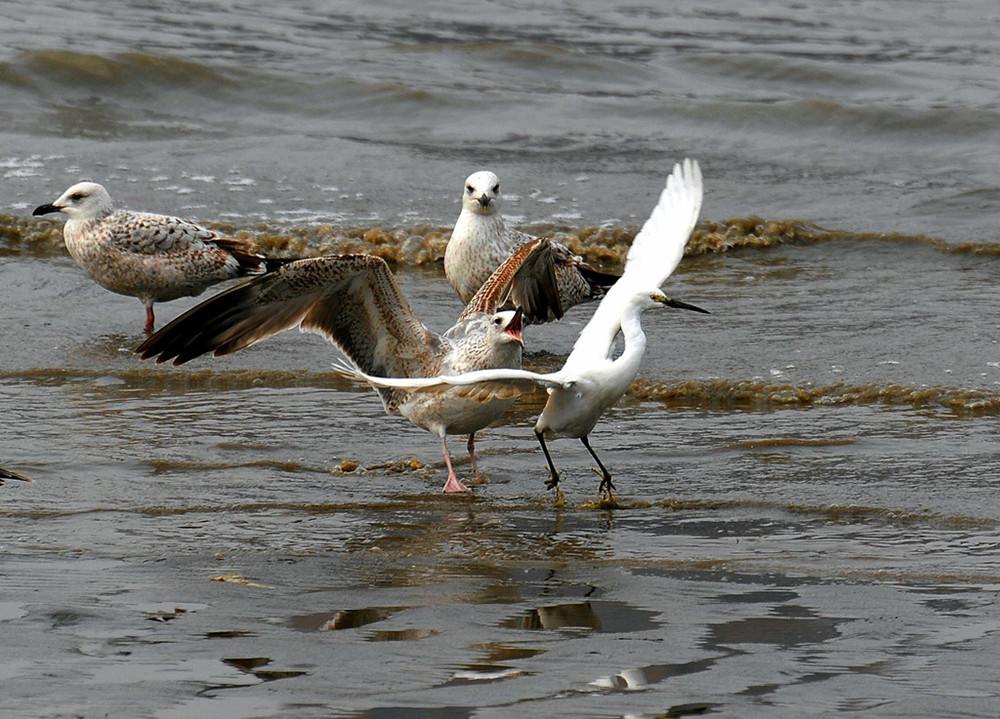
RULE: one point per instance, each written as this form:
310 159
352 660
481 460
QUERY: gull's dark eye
496 188
470 189
76 197
498 321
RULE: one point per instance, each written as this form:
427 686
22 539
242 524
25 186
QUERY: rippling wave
848 514
759 395
201 380
81 70
715 394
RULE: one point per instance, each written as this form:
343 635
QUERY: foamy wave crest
604 246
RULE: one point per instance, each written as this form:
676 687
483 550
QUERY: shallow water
807 517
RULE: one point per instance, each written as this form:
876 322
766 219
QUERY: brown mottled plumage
354 301
481 241
153 257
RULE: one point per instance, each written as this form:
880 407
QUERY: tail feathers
251 262
248 261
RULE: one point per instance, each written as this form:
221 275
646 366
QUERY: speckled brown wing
526 279
151 234
352 300
148 233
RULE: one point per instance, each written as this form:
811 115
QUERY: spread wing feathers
352 300
481 385
659 246
527 279
7 474
655 253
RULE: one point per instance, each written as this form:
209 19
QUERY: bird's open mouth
515 326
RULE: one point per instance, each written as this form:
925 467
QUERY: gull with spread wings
592 380
354 301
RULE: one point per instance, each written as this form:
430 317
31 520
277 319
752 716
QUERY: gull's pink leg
150 319
471 446
453 484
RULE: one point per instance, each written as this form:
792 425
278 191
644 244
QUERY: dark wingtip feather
596 278
275 263
527 278
198 331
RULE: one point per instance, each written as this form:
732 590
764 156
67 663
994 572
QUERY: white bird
591 380
481 241
153 257
354 301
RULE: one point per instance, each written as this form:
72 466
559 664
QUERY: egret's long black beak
681 305
44 209
484 200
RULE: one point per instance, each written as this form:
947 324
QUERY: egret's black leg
606 485
553 481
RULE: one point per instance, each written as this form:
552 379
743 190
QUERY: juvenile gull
354 301
591 381
153 257
481 240
7 474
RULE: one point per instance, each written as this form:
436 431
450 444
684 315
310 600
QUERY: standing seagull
7 474
153 257
591 381
354 301
481 241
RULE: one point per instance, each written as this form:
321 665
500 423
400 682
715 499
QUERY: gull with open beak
354 301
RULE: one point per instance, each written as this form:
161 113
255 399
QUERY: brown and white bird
481 240
153 257
354 301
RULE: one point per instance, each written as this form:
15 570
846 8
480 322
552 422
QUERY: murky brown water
808 521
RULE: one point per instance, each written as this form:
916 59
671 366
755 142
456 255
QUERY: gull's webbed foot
454 485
